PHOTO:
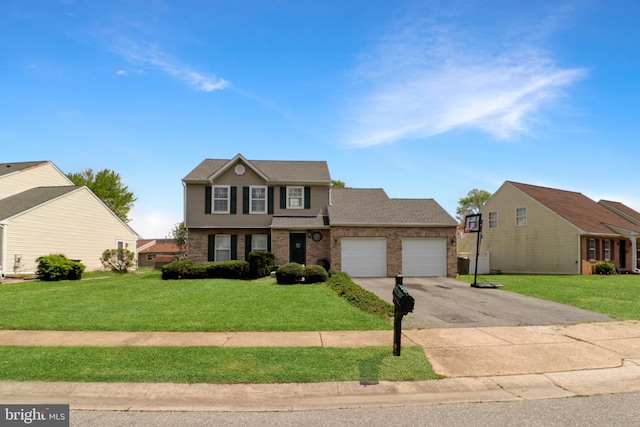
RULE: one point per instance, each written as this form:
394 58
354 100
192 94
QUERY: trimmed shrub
290 274
261 263
56 267
605 268
369 302
187 269
315 274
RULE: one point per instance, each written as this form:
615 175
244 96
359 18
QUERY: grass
212 364
615 295
144 302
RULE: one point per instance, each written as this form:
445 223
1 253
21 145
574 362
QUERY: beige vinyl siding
547 244
77 225
45 174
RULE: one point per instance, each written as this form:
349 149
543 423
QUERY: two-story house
235 206
42 212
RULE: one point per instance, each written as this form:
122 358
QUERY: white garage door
364 257
424 257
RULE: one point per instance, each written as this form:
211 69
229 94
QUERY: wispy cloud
154 57
426 79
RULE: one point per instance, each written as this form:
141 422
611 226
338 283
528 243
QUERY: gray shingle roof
300 222
372 207
7 168
21 202
276 171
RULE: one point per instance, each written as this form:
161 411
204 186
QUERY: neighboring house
150 249
529 229
42 212
235 206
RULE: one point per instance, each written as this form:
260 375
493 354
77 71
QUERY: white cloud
121 73
425 79
156 58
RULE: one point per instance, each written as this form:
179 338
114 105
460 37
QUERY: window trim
591 249
150 257
254 247
214 199
216 248
521 220
493 222
290 197
252 199
607 250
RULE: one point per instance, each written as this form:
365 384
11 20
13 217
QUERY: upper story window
295 197
521 217
493 219
258 202
220 199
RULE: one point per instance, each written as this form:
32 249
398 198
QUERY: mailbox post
403 304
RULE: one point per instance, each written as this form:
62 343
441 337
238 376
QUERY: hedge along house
42 212
289 208
529 229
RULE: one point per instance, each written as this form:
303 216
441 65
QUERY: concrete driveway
449 303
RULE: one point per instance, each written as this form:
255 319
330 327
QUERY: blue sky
426 99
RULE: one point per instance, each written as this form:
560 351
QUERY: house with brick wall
235 206
529 229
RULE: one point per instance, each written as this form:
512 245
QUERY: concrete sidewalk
478 364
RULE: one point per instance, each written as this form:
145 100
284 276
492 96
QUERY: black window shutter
234 246
211 247
233 200
268 242
270 200
283 197
307 197
245 200
247 246
207 199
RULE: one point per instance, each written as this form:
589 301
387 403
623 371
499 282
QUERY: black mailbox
402 300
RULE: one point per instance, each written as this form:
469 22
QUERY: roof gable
29 199
9 168
272 171
576 208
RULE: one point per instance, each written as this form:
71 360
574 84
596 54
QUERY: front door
298 248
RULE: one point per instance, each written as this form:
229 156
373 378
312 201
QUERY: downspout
3 248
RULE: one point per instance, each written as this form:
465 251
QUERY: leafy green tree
107 185
471 204
180 234
336 183
120 260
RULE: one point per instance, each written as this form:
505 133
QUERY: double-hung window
295 197
223 247
221 199
521 217
259 242
493 219
607 250
258 202
592 249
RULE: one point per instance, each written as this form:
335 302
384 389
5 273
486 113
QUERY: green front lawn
212 364
615 295
144 302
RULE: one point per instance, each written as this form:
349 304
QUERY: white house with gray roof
235 206
42 212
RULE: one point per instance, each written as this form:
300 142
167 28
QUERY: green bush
56 267
120 260
261 263
605 268
290 273
187 269
369 302
315 274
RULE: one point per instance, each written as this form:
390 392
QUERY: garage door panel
424 257
364 257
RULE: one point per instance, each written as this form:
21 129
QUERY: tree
180 234
120 260
336 183
106 184
471 204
